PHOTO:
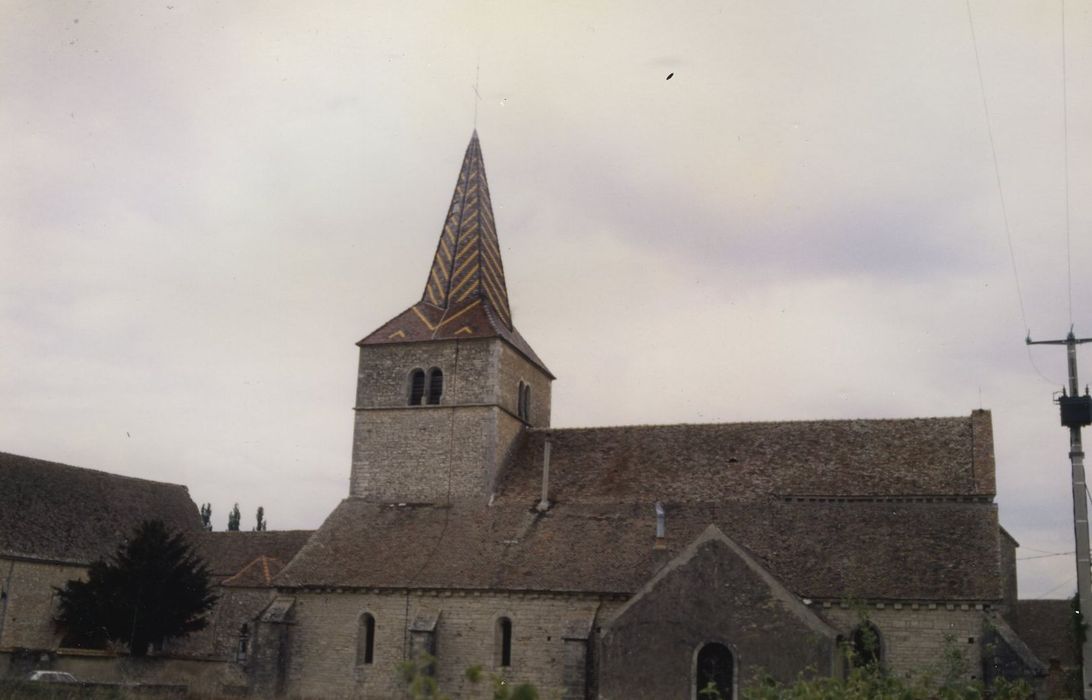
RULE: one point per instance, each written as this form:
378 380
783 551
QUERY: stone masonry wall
914 640
323 657
234 608
209 677
428 454
424 454
29 606
515 368
1008 576
383 379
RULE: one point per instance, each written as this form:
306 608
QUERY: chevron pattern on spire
467 265
465 296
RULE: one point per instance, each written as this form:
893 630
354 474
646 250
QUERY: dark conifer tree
233 519
261 524
154 588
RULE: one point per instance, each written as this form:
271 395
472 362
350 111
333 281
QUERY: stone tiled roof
466 295
869 550
926 457
1046 626
257 574
423 322
228 554
60 512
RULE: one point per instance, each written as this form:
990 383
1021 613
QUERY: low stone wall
196 676
90 691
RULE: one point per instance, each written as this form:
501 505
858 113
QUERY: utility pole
1076 413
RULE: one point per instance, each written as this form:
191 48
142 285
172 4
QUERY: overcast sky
203 206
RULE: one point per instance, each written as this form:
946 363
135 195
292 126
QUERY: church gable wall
715 596
323 656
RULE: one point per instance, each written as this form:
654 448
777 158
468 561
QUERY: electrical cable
1045 556
1068 582
1001 192
996 168
1065 130
1037 551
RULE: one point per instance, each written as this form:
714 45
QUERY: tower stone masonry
446 438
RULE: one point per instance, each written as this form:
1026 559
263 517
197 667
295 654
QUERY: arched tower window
244 645
525 404
365 640
867 644
519 401
417 387
435 385
715 671
503 642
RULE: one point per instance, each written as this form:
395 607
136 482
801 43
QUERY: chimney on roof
661 542
544 504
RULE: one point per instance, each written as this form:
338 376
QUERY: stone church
614 563
627 562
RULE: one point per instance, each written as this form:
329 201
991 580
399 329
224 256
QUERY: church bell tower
446 387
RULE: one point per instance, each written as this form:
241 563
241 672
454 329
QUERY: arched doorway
714 673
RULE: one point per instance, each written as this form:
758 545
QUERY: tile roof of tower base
422 322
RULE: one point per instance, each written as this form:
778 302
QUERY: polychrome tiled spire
467 266
465 296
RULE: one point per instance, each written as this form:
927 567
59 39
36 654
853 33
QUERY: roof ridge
262 560
254 532
93 471
803 421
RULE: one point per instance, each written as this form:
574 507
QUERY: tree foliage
206 516
233 519
869 679
261 524
152 589
422 685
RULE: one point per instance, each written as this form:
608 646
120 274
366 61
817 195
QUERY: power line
1037 551
996 168
1065 130
1001 195
1067 582
1045 556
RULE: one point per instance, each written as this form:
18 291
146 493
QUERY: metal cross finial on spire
477 95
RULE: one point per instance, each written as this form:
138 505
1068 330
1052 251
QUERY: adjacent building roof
257 574
248 557
1046 626
919 457
869 550
65 513
465 295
